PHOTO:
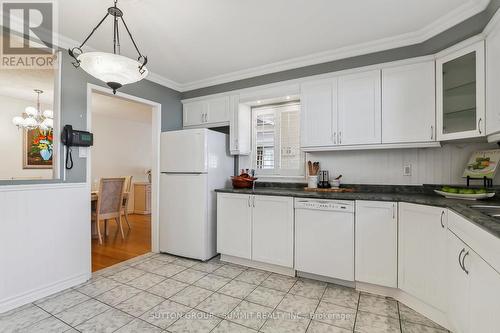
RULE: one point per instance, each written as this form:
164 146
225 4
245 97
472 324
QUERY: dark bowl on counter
243 182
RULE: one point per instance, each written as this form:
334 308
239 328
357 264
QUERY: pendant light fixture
112 68
34 117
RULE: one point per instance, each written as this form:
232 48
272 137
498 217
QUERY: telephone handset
73 138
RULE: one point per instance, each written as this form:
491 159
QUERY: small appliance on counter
324 179
244 180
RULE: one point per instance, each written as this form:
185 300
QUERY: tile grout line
357 311
316 309
399 316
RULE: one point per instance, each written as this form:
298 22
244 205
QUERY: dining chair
109 204
127 189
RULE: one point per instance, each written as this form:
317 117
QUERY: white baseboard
350 284
258 265
430 312
39 293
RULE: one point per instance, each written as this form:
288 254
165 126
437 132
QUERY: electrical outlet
407 170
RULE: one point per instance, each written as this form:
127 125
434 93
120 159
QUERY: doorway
126 145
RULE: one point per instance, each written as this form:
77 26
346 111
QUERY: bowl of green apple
464 193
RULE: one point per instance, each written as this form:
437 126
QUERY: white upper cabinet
218 110
408 103
194 113
318 122
207 113
376 243
422 253
493 81
359 109
460 92
239 127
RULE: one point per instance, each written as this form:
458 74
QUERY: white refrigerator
193 163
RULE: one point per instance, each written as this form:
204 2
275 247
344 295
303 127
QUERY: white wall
44 242
122 144
11 141
443 165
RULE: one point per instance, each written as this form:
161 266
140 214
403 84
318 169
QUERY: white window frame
275 172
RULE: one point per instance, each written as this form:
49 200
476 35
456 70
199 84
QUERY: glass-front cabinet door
460 93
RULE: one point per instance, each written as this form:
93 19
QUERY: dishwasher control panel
332 205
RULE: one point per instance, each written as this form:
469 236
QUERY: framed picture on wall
37 149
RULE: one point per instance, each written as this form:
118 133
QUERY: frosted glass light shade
18 121
48 123
48 114
31 111
29 122
111 68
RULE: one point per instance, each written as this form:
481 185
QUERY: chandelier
112 68
34 117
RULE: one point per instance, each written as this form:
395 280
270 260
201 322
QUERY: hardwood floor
115 249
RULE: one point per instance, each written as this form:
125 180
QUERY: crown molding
451 19
153 77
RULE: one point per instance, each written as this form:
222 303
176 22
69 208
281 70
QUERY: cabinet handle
340 138
249 198
463 263
253 201
393 211
460 259
479 125
202 116
442 215
206 117
432 132
334 138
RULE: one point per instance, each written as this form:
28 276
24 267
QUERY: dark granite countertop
411 194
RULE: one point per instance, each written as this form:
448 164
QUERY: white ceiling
195 43
118 107
20 83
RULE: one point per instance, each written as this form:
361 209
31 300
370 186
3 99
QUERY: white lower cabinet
256 227
272 230
484 295
422 253
458 285
234 225
376 239
473 290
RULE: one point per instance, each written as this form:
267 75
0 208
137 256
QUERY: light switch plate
83 152
407 170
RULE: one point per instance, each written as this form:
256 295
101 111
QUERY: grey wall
460 32
74 110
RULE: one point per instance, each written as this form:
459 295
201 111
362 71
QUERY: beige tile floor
163 293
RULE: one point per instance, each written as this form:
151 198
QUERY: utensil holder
312 182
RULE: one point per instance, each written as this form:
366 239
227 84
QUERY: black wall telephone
73 138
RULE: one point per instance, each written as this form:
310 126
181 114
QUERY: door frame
155 167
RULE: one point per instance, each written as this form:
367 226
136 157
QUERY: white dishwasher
324 238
